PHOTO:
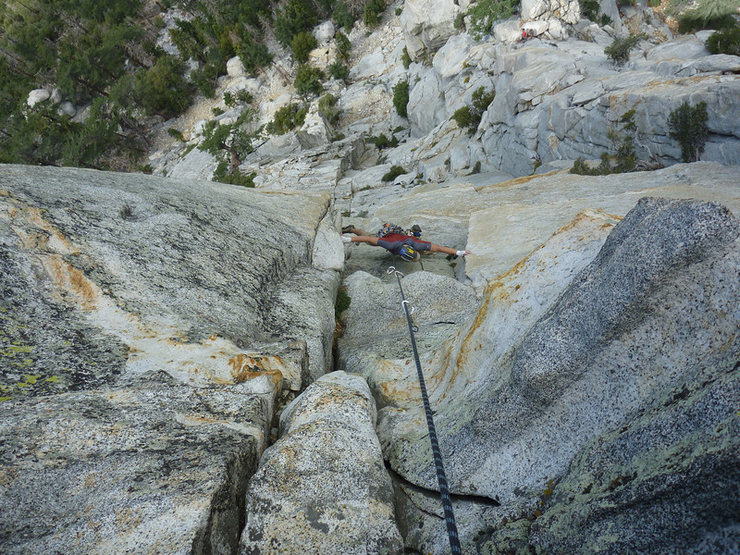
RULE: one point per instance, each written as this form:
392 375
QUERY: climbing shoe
348 229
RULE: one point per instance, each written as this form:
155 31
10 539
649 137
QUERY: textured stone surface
196 164
235 67
376 343
543 113
153 466
653 314
324 32
567 10
427 25
667 479
164 274
67 108
328 250
531 209
659 468
304 308
36 96
322 488
147 326
449 59
426 107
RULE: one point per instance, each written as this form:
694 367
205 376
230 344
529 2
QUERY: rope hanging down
441 478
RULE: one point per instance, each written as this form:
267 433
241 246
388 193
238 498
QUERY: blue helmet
408 253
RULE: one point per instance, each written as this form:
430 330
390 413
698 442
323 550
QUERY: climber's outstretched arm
448 250
355 231
364 239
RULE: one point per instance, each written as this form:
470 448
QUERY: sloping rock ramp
144 342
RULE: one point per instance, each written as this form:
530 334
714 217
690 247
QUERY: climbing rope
444 491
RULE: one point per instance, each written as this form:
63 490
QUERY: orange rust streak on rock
499 292
479 319
245 367
587 215
35 232
72 281
516 181
494 291
36 218
390 391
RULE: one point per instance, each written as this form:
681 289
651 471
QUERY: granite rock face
152 466
167 269
322 488
148 327
564 99
667 479
558 97
531 209
568 11
582 371
427 25
612 350
544 111
376 342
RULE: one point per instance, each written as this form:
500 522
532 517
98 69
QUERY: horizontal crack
469 497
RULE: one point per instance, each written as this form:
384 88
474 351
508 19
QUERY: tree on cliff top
230 142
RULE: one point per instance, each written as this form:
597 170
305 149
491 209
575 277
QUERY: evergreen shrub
342 16
688 125
287 118
405 58
294 16
470 116
344 46
328 108
234 176
704 14
308 81
590 9
381 141
393 173
372 11
401 98
619 49
302 44
726 41
484 13
339 71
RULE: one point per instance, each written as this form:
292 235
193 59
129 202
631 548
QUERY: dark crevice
466 497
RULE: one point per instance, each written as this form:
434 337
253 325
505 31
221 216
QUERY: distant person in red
394 239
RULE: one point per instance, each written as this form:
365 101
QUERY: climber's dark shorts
394 246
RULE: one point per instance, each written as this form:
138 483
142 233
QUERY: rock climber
394 239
